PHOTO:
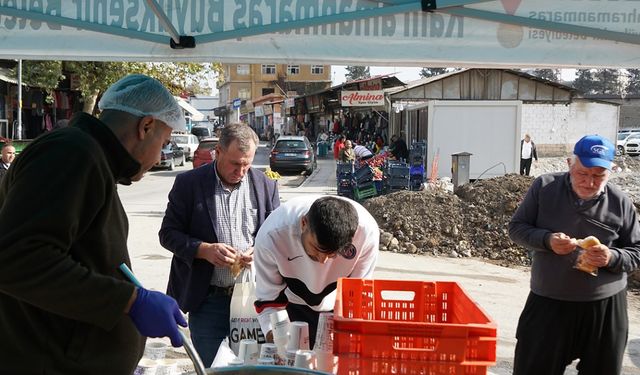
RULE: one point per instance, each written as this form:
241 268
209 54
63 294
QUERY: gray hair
242 133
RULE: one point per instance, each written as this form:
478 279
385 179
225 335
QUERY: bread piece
581 263
588 242
236 267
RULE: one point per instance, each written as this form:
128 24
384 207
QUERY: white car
188 142
632 145
623 137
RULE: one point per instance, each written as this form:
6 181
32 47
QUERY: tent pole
19 99
164 20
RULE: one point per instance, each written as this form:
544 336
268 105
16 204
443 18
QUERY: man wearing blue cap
571 314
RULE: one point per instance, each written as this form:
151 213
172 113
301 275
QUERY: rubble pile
473 222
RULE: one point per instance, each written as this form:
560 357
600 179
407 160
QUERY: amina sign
362 98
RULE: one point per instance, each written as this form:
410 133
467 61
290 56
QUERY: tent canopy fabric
438 33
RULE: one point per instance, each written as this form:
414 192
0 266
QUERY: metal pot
271 370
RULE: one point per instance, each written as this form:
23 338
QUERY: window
268 69
317 69
242 69
267 91
293 69
244 93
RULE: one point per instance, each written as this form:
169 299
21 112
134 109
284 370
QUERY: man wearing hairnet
64 306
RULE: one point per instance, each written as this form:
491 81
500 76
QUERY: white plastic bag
243 316
224 355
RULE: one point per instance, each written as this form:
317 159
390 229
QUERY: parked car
206 152
201 132
623 136
292 153
188 142
170 156
632 145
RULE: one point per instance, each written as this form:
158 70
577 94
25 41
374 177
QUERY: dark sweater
551 206
63 233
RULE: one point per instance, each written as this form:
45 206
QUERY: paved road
500 291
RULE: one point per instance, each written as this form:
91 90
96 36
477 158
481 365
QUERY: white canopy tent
461 33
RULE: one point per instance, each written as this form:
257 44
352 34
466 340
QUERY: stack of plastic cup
323 347
248 351
305 359
280 329
298 336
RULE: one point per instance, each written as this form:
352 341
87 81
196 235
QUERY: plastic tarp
461 33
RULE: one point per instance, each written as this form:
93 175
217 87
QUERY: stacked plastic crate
396 176
345 179
417 156
364 187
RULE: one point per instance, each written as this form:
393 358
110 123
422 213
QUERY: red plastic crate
412 321
353 365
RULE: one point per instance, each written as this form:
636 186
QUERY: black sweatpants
303 313
552 333
525 166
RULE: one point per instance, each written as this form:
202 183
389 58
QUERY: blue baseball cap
595 151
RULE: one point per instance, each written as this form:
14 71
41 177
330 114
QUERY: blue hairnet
141 95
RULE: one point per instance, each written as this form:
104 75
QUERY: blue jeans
209 325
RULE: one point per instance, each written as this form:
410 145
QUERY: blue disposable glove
156 315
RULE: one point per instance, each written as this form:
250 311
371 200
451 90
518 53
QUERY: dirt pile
473 222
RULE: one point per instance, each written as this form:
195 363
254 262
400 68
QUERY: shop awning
194 113
442 33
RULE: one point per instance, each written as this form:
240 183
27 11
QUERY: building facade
243 83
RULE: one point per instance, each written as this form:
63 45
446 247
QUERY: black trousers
525 166
552 333
303 313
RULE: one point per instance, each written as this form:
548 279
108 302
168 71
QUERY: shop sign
259 111
374 84
362 98
289 103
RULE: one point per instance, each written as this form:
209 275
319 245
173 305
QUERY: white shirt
526 150
279 256
361 151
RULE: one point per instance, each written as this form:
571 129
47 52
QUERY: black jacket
63 234
534 152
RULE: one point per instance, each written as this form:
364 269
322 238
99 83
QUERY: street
500 291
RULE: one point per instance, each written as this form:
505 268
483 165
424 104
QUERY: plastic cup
324 334
325 361
146 367
266 362
298 336
305 359
279 323
291 358
248 351
236 362
155 350
268 350
167 366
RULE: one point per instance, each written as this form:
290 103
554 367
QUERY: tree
585 81
430 72
43 74
94 77
548 74
633 85
357 72
609 81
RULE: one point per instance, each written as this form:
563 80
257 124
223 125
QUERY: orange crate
353 365
411 320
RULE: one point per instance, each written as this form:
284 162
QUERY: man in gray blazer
212 217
